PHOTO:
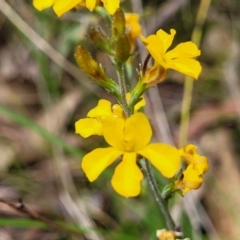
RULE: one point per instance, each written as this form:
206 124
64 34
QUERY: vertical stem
185 111
123 90
188 83
161 203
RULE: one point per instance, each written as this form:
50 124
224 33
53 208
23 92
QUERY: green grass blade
24 121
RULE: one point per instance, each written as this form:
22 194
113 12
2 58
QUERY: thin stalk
161 203
123 90
188 83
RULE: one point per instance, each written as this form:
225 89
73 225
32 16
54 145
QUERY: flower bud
118 24
122 48
92 69
88 65
100 40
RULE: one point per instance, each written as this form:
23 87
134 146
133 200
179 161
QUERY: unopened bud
118 24
122 48
100 40
88 65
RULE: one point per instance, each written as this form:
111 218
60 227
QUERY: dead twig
22 208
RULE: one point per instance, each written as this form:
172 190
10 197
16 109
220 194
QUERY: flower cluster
126 130
197 165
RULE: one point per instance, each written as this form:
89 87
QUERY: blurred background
43 93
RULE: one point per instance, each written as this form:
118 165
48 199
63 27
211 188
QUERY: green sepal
168 191
111 87
136 94
95 71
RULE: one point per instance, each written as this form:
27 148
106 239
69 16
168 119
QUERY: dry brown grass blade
22 208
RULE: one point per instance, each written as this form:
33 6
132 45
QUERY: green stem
188 83
161 203
123 90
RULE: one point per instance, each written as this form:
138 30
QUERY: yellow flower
134 28
191 156
129 138
93 124
180 58
62 6
197 166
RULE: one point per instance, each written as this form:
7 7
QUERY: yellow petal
201 164
111 5
87 127
150 39
127 176
137 132
103 109
117 111
133 26
191 178
40 4
128 135
140 104
156 50
113 132
90 4
183 50
188 152
165 39
164 157
186 66
63 6
95 162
